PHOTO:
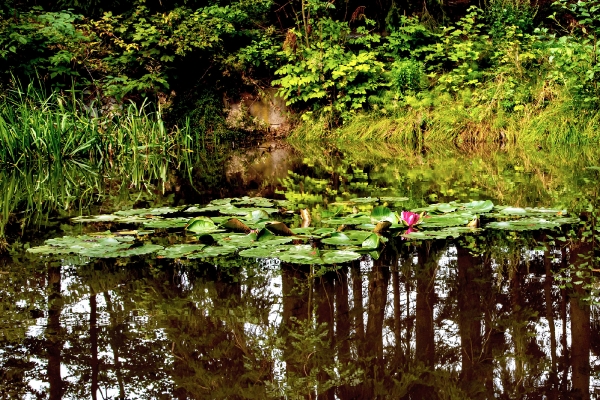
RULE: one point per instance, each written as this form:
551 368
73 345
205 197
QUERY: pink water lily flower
410 218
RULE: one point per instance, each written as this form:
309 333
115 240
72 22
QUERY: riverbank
549 117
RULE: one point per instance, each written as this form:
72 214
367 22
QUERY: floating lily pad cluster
262 228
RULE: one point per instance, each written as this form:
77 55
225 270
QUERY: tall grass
33 196
468 119
55 127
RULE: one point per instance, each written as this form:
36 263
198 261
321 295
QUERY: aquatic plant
55 127
410 218
258 227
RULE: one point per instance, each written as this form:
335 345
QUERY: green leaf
479 207
312 231
258 215
352 219
105 245
305 254
346 238
148 211
371 242
180 250
382 213
513 211
201 225
213 251
393 200
166 223
264 252
452 232
524 224
110 218
238 240
445 220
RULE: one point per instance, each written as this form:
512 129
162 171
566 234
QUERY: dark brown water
500 315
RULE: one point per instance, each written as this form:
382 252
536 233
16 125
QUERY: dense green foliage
467 69
55 127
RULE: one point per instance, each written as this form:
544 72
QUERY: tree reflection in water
435 321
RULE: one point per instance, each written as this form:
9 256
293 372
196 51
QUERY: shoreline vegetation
99 81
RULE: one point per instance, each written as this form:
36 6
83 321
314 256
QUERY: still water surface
481 317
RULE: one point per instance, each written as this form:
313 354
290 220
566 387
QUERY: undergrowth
35 125
466 120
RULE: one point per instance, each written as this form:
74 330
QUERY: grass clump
56 126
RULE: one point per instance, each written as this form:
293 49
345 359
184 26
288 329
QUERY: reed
55 127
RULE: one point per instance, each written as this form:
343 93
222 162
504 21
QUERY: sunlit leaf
479 207
393 200
382 213
346 238
180 250
213 251
371 242
305 254
523 224
166 223
148 211
201 225
445 220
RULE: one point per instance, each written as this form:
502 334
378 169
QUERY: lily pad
253 201
446 220
347 238
201 225
312 231
213 251
257 215
446 233
264 252
523 224
364 200
244 211
120 252
221 202
438 208
166 223
305 254
148 211
110 218
180 250
445 208
382 213
265 237
513 211
371 242
478 207
98 246
393 200
352 219
238 240
200 210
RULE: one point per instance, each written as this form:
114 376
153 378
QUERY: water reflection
482 317
436 321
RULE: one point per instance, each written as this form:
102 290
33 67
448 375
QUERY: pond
290 271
